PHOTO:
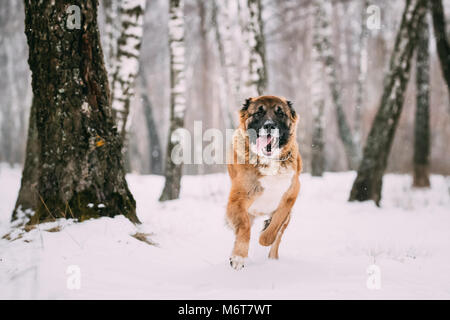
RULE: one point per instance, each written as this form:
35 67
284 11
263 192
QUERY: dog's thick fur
266 184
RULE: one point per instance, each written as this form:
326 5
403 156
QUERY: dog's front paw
237 262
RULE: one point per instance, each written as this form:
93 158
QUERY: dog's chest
274 187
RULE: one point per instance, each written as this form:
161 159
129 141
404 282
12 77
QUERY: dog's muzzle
267 139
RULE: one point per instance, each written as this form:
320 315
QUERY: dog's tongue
262 142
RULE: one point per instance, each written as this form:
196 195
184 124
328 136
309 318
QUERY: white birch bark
173 171
230 23
177 59
223 12
254 78
126 63
112 33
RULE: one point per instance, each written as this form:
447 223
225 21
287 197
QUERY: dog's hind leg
273 253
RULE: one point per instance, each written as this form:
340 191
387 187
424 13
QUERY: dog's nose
269 126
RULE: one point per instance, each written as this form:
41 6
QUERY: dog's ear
244 110
246 104
291 108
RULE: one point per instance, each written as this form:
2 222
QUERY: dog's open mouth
266 144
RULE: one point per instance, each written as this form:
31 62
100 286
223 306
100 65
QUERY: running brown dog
264 173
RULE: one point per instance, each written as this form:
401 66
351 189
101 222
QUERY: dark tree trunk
172 170
28 199
154 144
80 162
442 44
367 185
422 121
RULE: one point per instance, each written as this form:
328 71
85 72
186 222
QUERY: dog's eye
279 111
260 111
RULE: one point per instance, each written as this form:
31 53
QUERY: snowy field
325 253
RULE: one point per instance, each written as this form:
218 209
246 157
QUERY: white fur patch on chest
274 187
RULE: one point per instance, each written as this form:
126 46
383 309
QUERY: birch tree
323 16
361 50
14 83
254 80
126 60
6 117
318 102
111 9
156 155
204 72
80 162
222 19
367 185
343 58
173 171
422 120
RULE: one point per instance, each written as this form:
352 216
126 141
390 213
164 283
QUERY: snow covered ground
325 253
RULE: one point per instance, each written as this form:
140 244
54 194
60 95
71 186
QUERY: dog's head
270 122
